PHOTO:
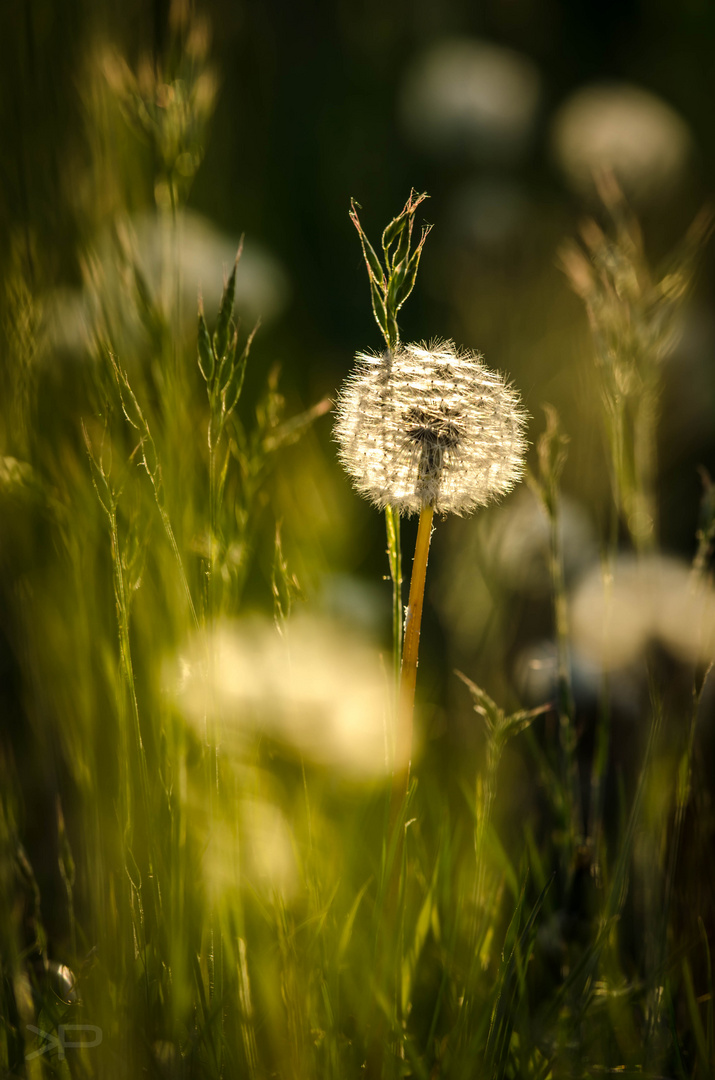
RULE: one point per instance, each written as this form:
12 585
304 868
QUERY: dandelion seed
430 426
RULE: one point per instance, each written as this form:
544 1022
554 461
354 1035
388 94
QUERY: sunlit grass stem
394 553
552 451
150 460
120 594
215 947
565 700
683 792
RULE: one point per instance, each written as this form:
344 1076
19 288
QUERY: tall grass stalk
107 500
552 452
394 555
634 317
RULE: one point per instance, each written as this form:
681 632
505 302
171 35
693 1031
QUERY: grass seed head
430 426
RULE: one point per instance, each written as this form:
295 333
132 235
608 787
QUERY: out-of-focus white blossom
650 598
177 262
254 848
430 425
624 130
315 689
192 259
515 542
471 96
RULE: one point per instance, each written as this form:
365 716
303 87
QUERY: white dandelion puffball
430 426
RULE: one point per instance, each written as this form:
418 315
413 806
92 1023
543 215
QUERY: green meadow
357 614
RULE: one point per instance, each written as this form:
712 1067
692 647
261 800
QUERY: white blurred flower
268 842
430 425
254 848
517 537
644 599
625 130
507 549
316 689
536 676
536 671
193 260
176 263
471 96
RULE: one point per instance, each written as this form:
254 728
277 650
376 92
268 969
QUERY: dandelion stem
392 522
408 677
403 761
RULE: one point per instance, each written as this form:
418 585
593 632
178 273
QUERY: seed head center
432 428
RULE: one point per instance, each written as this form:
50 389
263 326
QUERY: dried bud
430 426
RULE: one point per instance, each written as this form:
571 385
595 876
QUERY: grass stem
566 708
394 553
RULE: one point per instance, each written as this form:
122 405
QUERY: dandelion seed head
430 425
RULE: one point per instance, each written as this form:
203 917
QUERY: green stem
215 954
120 593
485 795
126 656
405 709
213 515
598 769
392 524
682 798
168 529
644 523
566 710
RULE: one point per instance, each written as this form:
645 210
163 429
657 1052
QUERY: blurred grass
205 889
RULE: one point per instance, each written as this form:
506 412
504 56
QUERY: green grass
230 898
